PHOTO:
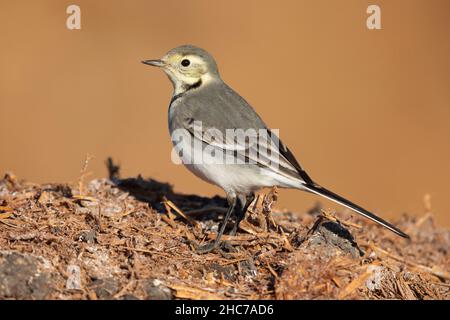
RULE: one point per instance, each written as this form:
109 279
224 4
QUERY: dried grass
136 238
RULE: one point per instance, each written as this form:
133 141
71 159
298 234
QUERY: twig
5 215
356 283
268 201
262 218
121 215
5 208
225 237
84 198
441 284
146 251
180 213
9 225
255 204
424 218
83 173
169 221
265 236
287 244
185 292
123 290
249 228
228 262
100 216
198 212
328 215
272 271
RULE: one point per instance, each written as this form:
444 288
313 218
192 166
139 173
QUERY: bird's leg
211 246
241 214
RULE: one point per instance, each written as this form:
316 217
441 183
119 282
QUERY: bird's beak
155 63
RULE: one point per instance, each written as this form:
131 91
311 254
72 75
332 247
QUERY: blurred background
367 112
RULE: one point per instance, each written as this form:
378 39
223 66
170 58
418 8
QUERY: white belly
233 178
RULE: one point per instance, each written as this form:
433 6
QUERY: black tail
346 203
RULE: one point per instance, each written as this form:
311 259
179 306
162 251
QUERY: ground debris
135 239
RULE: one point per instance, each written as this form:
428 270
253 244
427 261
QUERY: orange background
366 112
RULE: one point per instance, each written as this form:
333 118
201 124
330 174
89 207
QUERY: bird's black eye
185 62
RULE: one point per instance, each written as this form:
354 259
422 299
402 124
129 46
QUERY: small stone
155 290
375 280
74 279
24 276
105 288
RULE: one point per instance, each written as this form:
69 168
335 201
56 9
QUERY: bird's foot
227 250
209 247
228 247
206 248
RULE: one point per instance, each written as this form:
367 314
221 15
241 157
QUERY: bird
202 111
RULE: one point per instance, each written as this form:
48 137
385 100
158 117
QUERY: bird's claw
206 248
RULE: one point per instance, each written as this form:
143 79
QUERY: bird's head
187 67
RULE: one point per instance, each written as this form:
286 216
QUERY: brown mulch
135 239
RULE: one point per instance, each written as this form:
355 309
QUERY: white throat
183 83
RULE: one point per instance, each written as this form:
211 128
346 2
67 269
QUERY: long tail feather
346 203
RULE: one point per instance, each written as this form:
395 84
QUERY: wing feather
222 109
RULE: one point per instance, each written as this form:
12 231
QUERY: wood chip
442 274
5 215
355 284
171 205
186 292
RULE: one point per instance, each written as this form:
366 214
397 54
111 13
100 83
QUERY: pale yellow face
188 68
185 70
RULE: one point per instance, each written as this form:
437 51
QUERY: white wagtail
202 102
